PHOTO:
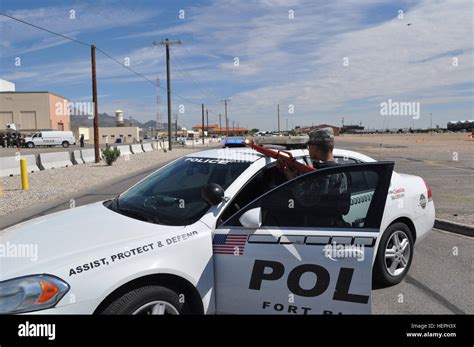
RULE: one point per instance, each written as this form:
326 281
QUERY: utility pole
202 124
167 43
233 128
96 108
220 124
278 112
431 123
207 121
159 118
225 101
176 126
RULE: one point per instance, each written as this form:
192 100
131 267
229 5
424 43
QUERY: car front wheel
149 300
394 256
65 144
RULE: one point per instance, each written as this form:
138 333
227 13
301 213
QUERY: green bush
110 154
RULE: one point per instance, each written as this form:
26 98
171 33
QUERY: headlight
31 293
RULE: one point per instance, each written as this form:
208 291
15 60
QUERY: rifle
283 156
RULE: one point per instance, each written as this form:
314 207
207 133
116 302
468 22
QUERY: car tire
30 145
65 144
146 300
394 255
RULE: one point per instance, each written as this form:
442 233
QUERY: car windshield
172 195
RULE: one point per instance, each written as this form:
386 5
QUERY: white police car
248 242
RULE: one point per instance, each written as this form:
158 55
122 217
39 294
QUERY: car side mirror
213 194
252 219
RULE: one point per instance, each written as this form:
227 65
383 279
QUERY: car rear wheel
149 300
65 144
394 255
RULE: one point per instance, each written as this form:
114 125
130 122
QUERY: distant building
308 129
6 86
110 134
214 129
460 125
31 111
81 130
352 129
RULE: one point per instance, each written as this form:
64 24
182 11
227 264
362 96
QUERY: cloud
73 21
295 61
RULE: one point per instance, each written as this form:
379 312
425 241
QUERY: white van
51 138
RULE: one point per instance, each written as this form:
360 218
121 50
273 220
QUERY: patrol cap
319 136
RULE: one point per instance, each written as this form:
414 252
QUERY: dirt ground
445 161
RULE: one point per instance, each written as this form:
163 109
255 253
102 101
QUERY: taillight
428 189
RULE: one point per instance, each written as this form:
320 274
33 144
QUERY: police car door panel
288 267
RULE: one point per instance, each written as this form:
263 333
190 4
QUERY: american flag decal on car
229 244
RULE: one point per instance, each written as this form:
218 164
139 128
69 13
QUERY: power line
104 53
47 30
125 66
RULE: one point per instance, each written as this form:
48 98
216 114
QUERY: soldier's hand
285 169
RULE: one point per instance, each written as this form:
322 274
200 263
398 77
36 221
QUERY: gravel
52 184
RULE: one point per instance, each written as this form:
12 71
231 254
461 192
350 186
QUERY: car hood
48 242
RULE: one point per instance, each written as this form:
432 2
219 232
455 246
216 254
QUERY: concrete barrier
147 147
76 157
136 148
88 155
124 150
155 145
54 160
10 166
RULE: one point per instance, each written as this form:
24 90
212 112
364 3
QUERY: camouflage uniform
330 194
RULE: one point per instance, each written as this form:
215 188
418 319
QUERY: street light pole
202 123
226 119
167 43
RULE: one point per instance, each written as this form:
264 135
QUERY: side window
264 181
359 183
322 199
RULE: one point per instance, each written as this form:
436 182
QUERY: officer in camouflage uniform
325 199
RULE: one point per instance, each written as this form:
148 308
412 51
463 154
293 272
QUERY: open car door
305 247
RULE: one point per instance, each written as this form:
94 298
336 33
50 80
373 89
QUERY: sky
321 61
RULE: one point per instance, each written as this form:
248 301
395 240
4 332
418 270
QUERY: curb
457 228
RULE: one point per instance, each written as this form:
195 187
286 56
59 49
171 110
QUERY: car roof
248 154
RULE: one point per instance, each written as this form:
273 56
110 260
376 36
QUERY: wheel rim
156 308
397 253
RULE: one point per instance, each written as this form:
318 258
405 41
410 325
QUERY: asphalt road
9 152
440 280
